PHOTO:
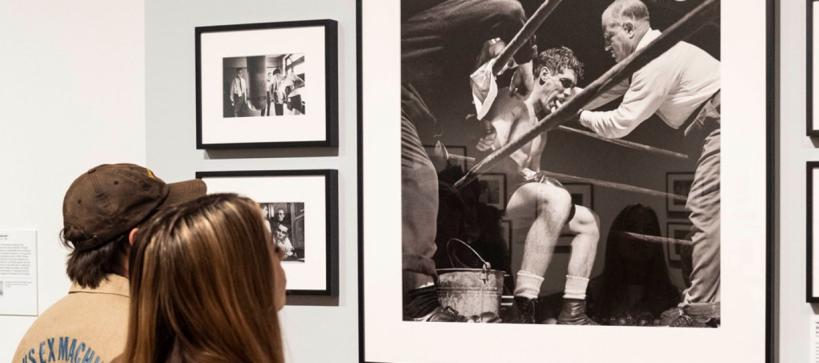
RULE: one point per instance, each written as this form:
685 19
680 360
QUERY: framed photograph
678 231
267 85
812 101
493 190
677 184
447 156
426 68
301 208
582 194
812 223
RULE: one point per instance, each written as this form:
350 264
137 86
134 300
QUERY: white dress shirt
673 85
238 87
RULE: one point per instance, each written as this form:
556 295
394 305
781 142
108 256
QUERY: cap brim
184 191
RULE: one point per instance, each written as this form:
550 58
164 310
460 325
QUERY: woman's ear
132 236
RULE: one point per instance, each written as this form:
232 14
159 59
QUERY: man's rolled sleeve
648 90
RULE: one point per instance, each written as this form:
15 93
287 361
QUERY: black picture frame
330 94
811 128
810 295
770 76
331 218
673 250
674 207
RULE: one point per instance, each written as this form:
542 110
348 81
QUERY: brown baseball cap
111 199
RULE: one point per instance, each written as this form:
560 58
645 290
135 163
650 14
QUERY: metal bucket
473 292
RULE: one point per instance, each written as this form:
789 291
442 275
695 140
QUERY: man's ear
544 75
628 27
132 236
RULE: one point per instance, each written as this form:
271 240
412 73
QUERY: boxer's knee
586 221
553 203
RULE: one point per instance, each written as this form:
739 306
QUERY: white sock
528 284
575 287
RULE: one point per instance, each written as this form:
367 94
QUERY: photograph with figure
286 221
577 261
264 86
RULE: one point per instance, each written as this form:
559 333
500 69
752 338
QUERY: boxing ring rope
526 32
612 185
570 110
624 143
656 239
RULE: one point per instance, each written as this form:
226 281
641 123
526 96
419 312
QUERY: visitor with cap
102 210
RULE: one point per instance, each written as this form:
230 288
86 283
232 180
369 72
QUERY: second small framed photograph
267 85
679 231
301 208
678 184
812 228
493 190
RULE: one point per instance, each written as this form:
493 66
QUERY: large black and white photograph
264 86
286 222
670 108
301 209
589 126
267 85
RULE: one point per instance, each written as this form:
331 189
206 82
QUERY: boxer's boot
573 312
526 309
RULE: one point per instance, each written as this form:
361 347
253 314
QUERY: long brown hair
204 287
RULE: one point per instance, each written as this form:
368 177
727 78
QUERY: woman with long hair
206 286
636 287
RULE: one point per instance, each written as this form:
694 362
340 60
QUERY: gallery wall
72 95
793 313
312 333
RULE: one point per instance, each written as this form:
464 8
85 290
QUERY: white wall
72 85
795 149
312 333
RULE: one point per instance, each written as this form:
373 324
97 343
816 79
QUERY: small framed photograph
493 190
448 156
678 231
812 223
267 85
301 209
678 184
812 11
582 194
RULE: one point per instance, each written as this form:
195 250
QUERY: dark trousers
419 194
238 101
703 138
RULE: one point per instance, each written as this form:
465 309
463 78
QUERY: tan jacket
88 325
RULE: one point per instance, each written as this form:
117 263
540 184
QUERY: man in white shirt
682 87
238 91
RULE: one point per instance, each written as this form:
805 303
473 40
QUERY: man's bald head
622 11
624 24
